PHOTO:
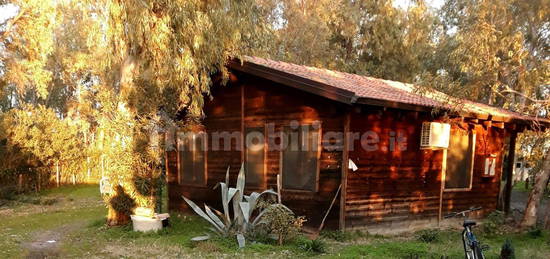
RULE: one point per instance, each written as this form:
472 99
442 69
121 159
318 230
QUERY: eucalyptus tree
496 52
111 68
374 38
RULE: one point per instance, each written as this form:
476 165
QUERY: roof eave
294 81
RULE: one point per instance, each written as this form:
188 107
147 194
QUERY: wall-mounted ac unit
435 135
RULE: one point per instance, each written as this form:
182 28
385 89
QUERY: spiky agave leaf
238 215
241 240
214 218
227 175
200 238
245 208
202 214
227 196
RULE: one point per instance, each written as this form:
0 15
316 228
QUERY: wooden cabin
387 180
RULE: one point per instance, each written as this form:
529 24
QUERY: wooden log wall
266 102
400 187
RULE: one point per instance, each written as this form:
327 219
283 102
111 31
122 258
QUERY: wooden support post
344 174
279 188
442 187
242 125
510 171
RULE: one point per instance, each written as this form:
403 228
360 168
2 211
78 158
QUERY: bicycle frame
472 249
470 243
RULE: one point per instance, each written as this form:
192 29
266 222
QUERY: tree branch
512 91
11 23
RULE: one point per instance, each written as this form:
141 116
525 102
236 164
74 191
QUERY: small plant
493 223
507 251
8 192
313 246
341 236
245 219
535 232
428 236
48 202
281 222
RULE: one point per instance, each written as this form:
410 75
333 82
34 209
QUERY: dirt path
47 244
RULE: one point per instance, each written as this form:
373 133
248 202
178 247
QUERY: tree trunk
535 197
115 218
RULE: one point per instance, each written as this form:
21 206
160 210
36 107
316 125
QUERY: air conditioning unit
435 135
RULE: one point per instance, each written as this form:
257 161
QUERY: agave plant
244 207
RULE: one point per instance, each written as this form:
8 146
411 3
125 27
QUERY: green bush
492 225
535 232
312 246
428 236
280 221
507 251
8 192
341 236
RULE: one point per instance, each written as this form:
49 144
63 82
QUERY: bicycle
472 247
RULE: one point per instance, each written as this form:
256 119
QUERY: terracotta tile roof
370 88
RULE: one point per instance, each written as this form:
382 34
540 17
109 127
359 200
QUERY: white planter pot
145 224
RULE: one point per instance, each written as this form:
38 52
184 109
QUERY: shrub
122 202
341 236
281 222
8 192
493 224
313 246
534 232
507 251
48 202
428 236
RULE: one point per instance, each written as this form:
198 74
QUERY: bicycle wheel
477 252
468 252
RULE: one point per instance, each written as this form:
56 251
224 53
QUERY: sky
405 3
7 11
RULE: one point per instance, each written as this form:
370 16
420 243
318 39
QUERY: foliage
317 246
342 236
494 223
8 192
109 74
122 202
535 232
280 221
428 236
507 251
244 218
374 38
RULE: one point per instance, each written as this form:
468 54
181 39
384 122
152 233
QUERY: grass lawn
69 222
